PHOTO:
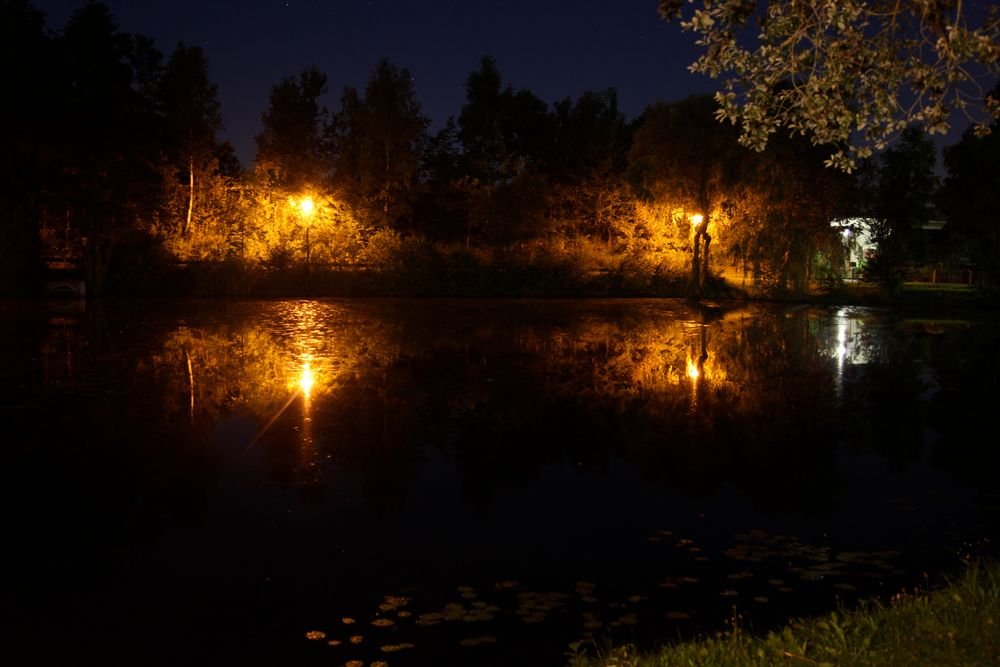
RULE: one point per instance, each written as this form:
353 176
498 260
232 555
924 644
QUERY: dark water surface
475 482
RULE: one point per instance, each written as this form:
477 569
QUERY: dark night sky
555 48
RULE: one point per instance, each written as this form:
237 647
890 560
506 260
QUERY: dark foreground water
475 483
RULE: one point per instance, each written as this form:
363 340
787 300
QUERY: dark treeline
112 166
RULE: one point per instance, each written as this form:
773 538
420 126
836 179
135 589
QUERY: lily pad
393 648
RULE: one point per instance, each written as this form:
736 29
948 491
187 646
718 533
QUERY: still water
476 482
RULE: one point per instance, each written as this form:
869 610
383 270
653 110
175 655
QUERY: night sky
556 49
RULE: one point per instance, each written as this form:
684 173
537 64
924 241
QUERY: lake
476 482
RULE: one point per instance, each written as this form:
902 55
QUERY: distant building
857 236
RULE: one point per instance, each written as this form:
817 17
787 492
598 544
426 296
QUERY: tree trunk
699 258
704 259
190 370
190 211
696 266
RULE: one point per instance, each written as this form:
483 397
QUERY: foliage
189 103
107 153
781 216
587 167
110 162
848 73
682 156
376 142
502 131
904 192
970 198
290 147
505 137
25 150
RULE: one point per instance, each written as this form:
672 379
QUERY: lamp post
306 207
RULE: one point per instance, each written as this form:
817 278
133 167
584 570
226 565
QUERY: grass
957 625
939 287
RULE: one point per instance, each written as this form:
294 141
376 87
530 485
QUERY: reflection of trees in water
693 399
212 372
93 459
740 398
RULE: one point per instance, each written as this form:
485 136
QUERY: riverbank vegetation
957 625
113 177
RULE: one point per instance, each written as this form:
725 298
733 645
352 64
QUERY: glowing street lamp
305 207
696 219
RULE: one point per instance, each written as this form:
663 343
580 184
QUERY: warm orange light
306 381
697 218
306 206
692 369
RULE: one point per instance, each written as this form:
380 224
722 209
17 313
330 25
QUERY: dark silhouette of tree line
111 161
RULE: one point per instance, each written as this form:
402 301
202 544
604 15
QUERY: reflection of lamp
692 369
307 380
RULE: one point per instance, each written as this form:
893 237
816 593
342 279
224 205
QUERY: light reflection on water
676 459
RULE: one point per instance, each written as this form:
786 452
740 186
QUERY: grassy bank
955 625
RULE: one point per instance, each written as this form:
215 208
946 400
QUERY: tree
904 194
377 142
681 154
505 135
27 118
848 73
443 209
588 162
780 218
970 197
109 187
191 109
290 147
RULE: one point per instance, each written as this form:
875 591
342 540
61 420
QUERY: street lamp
306 208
